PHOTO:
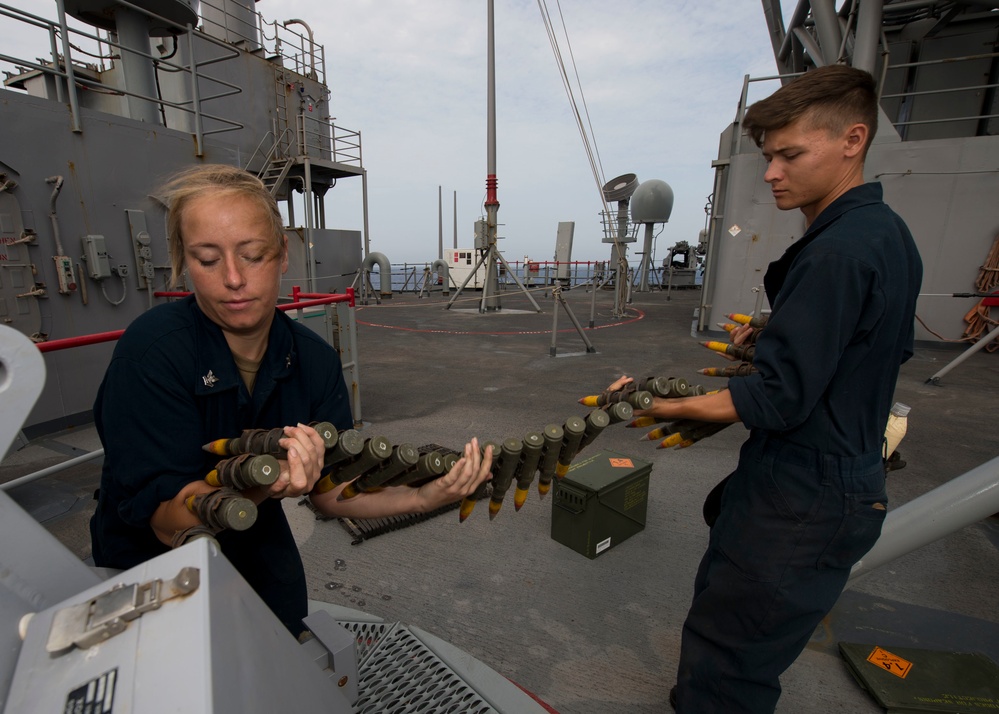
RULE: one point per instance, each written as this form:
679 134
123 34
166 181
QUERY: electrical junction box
601 502
64 273
95 252
481 235
141 245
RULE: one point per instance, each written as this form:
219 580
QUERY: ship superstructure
936 152
90 130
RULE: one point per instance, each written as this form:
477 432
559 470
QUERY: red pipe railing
67 342
317 298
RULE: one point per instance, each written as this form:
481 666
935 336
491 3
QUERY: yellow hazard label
890 662
622 463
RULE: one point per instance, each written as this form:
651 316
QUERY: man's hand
620 383
740 334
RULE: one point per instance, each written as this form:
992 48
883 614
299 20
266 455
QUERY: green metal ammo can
601 502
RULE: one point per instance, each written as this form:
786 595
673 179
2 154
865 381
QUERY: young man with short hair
807 498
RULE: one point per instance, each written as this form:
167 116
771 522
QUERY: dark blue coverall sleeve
822 305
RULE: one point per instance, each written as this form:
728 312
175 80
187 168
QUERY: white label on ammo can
603 545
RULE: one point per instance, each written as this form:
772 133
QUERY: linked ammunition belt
362 529
358 465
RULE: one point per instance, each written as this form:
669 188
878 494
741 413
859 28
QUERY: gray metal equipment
680 267
181 632
563 249
651 203
619 232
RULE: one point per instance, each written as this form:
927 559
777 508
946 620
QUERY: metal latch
103 617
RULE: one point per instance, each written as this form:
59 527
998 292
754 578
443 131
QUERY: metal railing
308 59
61 67
982 87
346 145
411 277
272 153
944 90
618 227
320 138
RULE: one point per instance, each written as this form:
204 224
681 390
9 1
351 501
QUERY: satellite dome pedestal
618 233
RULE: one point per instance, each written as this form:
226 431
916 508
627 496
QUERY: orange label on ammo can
890 662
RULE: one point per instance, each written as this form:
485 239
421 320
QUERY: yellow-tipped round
656 434
728 326
642 422
711 372
348 492
190 503
324 485
467 506
217 447
671 440
519 497
213 478
740 318
591 401
716 346
544 488
494 508
685 443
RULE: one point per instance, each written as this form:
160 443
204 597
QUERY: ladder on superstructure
279 160
274 172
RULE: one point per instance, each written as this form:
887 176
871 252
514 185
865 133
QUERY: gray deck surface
598 636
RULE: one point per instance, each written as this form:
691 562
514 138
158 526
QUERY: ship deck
603 635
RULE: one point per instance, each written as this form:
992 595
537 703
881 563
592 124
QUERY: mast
490 296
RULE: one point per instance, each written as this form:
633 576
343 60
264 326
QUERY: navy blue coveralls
172 386
807 499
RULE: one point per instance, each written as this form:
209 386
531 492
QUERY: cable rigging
589 141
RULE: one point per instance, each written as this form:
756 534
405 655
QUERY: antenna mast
490 297
485 237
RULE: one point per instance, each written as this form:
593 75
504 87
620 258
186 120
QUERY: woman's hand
471 470
303 467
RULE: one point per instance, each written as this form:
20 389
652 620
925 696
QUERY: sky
661 79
